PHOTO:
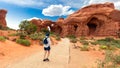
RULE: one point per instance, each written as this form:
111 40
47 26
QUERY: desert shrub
82 38
2 38
103 47
71 36
93 43
58 38
37 36
74 40
110 42
23 42
84 42
111 60
107 47
22 35
44 30
84 48
116 59
28 26
34 36
13 34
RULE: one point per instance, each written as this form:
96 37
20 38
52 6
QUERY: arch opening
75 27
92 26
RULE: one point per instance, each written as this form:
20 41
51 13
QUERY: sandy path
59 58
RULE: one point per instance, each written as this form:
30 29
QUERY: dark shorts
47 48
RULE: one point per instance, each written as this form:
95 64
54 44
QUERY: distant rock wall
2 17
92 20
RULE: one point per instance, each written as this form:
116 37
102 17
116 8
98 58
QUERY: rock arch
92 26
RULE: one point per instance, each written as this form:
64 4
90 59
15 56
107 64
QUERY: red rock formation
92 20
57 28
37 23
95 20
42 23
2 17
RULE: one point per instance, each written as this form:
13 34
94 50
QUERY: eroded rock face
2 17
93 20
41 24
37 23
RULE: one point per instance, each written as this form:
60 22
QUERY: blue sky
19 10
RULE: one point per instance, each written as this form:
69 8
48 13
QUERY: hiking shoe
47 59
44 59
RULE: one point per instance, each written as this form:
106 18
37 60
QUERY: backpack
45 41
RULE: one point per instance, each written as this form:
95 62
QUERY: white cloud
116 2
34 18
24 2
57 10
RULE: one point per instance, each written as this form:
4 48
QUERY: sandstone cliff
2 17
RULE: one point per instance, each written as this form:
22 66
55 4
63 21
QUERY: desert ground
63 55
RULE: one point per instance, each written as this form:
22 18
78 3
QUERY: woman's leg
48 53
45 54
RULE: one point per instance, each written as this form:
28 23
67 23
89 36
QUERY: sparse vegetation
107 42
2 38
22 35
74 40
56 36
82 38
103 47
37 36
84 42
23 42
44 30
13 34
71 36
28 27
111 60
84 48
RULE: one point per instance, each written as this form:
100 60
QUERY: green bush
23 42
108 42
58 38
37 36
82 38
34 36
22 35
13 34
71 36
44 30
85 48
117 59
84 42
74 40
28 26
111 58
103 47
2 38
94 43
